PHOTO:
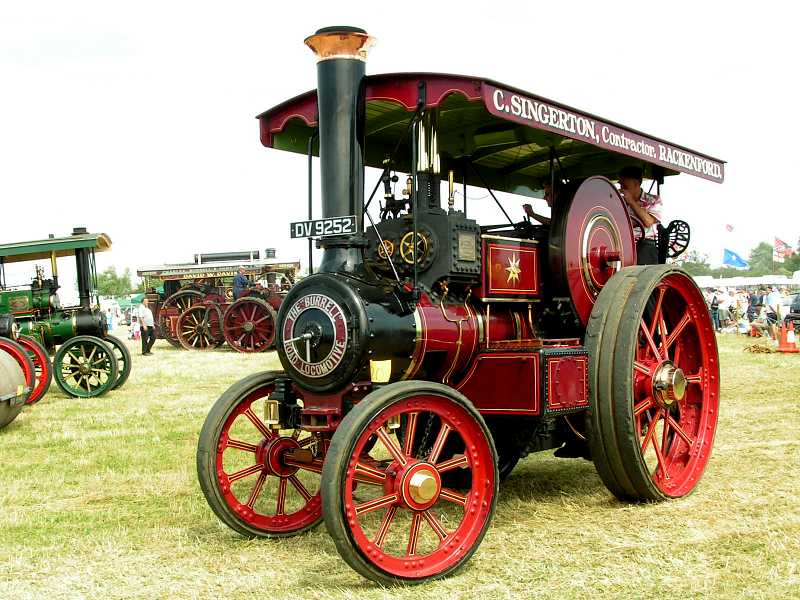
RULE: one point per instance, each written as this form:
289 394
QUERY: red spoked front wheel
386 499
42 367
655 373
23 358
260 481
249 325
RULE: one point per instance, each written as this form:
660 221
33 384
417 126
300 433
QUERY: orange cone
784 345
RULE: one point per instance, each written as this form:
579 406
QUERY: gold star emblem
513 270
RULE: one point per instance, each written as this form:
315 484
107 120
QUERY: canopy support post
310 199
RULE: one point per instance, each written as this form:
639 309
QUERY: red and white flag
780 251
729 228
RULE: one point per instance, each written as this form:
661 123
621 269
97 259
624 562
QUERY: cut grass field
99 498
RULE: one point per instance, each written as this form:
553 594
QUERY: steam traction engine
428 354
198 310
88 362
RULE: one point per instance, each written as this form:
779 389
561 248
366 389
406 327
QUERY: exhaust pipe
341 56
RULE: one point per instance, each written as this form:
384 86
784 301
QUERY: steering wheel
678 234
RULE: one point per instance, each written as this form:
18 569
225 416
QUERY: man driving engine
646 208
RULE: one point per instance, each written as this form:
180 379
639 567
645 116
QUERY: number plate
323 227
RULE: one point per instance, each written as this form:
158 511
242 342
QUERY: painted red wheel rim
200 327
269 479
406 529
41 365
21 356
676 386
249 326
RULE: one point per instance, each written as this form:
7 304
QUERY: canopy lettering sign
537 113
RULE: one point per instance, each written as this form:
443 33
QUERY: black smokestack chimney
341 55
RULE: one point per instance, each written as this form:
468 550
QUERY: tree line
760 263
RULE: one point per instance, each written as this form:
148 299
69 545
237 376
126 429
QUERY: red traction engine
428 354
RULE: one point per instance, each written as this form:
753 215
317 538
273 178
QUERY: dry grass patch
99 498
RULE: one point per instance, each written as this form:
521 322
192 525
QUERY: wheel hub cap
420 486
248 326
669 383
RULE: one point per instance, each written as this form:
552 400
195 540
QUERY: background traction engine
426 356
87 361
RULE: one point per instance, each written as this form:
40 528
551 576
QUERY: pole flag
731 259
780 251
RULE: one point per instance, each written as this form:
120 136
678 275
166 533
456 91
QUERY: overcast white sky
137 119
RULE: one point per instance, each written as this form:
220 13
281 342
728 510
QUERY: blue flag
731 259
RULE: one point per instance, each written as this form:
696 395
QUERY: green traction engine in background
88 361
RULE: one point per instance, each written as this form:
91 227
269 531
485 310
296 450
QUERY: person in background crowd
135 334
773 306
147 326
645 207
713 306
724 314
240 283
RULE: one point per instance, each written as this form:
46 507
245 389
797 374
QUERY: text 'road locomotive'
88 362
427 354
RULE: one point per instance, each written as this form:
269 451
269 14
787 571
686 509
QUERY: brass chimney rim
340 42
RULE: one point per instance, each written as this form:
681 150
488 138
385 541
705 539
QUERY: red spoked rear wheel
42 367
655 393
249 325
387 506
259 481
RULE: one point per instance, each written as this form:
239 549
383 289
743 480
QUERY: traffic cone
784 345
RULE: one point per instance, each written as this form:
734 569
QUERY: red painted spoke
696 378
258 423
380 537
366 474
257 489
651 429
641 367
377 503
411 429
458 461
452 496
391 445
665 435
281 501
657 312
677 356
244 473
301 489
677 330
435 525
679 430
438 445
413 535
232 443
643 406
662 463
649 338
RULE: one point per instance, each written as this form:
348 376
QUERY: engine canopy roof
508 134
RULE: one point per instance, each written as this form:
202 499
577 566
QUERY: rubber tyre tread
207 454
49 376
601 340
628 439
123 375
337 459
60 355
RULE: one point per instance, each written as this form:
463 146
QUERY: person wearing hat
240 283
646 208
